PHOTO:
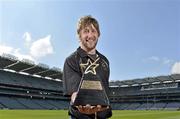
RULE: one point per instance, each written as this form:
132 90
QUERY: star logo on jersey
90 67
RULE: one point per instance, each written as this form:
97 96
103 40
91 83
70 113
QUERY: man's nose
90 34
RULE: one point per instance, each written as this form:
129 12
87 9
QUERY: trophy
91 90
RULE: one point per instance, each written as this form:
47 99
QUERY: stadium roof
11 62
146 81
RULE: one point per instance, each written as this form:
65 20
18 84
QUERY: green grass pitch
62 114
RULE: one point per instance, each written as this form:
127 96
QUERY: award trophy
91 91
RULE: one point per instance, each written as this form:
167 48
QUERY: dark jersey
75 66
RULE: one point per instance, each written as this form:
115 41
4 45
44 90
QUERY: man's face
89 37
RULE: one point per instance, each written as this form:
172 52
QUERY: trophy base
92 97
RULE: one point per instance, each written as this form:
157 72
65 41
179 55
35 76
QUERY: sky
141 38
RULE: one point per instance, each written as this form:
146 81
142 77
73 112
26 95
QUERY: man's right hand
88 109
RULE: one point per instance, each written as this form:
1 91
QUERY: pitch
62 114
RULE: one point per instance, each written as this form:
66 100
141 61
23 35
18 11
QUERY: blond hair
86 21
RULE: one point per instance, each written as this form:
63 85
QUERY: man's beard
89 45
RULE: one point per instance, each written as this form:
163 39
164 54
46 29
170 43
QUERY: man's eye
86 31
93 31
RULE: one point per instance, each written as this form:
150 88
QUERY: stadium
27 86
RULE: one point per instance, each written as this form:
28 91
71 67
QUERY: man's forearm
73 96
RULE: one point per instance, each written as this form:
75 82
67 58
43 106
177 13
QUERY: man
77 63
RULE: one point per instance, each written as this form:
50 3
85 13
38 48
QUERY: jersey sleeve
71 76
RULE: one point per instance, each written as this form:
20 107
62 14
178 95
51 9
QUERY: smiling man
87 62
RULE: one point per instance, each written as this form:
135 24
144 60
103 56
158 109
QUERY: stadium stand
153 93
25 85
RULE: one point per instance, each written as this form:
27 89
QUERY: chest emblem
89 66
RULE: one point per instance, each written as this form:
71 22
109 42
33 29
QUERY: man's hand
88 109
